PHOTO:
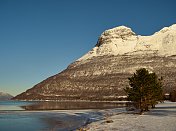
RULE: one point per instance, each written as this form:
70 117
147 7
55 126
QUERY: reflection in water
52 105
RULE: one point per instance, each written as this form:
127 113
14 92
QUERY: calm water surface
47 116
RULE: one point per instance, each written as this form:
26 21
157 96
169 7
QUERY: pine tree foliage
145 89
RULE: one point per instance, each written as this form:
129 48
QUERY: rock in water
102 73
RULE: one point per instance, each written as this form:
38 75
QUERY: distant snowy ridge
5 96
122 40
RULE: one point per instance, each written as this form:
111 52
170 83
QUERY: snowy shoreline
162 118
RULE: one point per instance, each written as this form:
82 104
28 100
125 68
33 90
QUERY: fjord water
35 116
13 105
36 121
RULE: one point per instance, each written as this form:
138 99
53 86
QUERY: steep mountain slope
102 73
5 96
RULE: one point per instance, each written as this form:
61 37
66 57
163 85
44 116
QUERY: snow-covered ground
162 118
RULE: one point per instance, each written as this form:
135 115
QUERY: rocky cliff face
102 73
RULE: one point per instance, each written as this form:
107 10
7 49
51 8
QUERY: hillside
101 74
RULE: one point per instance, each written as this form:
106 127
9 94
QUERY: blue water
32 116
14 105
39 121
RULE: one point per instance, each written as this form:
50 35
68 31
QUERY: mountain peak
120 32
122 40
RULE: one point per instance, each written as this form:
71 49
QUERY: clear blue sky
39 38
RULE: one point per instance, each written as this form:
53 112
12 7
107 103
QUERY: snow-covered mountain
122 40
102 73
5 96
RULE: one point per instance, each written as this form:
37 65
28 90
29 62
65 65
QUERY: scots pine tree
145 89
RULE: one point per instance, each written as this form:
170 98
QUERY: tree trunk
141 111
153 106
146 108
